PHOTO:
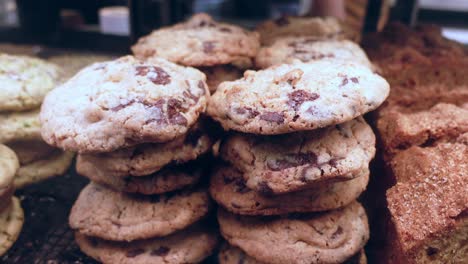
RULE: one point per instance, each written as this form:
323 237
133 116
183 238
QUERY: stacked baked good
25 82
424 133
298 156
222 51
11 213
136 125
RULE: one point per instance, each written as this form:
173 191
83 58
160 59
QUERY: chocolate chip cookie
17 126
191 245
11 222
331 237
318 27
9 164
307 49
25 81
297 96
200 41
228 189
233 255
168 179
148 158
104 213
122 103
291 162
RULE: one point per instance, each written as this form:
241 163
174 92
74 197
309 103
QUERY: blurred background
115 24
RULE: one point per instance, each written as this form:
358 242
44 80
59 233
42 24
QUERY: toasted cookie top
124 102
319 27
297 96
200 41
25 81
329 237
290 162
306 49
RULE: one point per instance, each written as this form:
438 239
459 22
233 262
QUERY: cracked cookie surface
291 162
200 41
297 96
330 237
121 103
102 212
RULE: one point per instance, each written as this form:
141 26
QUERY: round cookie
191 245
331 237
318 27
25 81
221 73
122 103
297 96
20 126
148 158
200 41
54 164
228 189
9 164
111 215
307 49
233 255
11 222
291 162
167 180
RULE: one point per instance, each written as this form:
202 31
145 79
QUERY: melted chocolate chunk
155 74
201 85
292 160
174 109
272 117
161 251
297 98
135 252
355 80
208 46
122 106
344 82
249 112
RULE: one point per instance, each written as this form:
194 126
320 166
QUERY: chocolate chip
161 251
201 85
297 98
355 80
332 162
344 82
431 251
282 21
155 74
122 106
174 107
338 232
292 160
135 252
264 189
246 111
208 46
225 29
272 117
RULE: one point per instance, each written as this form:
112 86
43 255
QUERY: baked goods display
213 142
222 51
423 128
11 213
25 82
130 120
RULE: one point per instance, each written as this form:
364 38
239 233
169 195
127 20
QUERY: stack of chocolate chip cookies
136 126
297 159
222 51
11 213
25 82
